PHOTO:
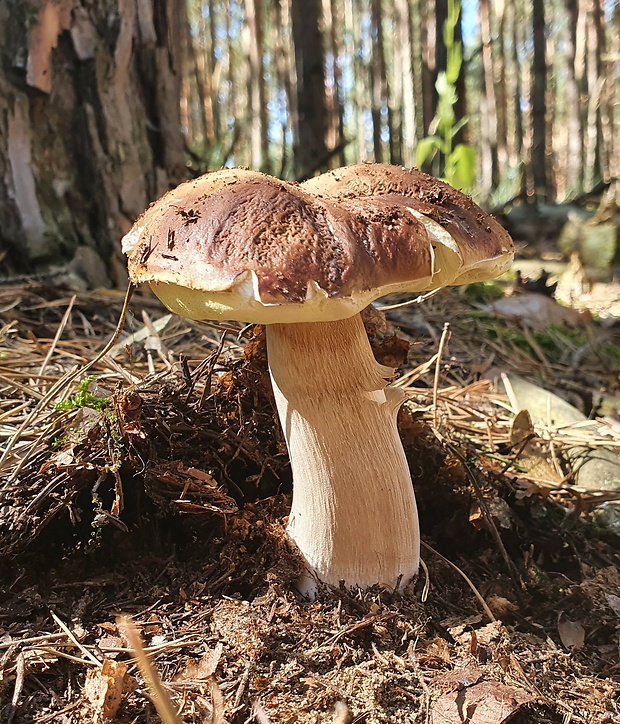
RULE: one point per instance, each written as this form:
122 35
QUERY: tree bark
488 117
499 73
615 111
595 40
538 156
404 52
256 91
310 146
378 81
574 147
90 128
429 64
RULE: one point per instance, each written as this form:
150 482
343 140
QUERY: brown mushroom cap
237 244
484 247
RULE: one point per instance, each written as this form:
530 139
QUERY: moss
84 398
489 291
612 350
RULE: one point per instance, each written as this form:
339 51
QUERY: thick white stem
354 516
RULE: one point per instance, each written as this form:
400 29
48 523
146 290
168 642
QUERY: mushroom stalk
354 515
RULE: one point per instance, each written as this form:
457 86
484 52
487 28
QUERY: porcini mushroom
304 261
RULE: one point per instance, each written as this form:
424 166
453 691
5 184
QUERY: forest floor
159 489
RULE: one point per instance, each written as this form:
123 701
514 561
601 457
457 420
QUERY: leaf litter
159 490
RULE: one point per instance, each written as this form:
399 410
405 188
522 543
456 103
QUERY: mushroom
304 260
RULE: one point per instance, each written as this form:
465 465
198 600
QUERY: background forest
131 96
289 86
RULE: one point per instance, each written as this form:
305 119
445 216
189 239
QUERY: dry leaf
431 653
103 689
538 311
466 698
501 607
204 668
531 455
499 510
572 634
202 476
614 603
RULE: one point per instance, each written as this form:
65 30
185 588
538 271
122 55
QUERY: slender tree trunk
460 107
383 79
615 110
310 147
518 109
607 98
335 125
361 95
595 48
488 104
574 149
538 156
429 63
90 128
204 74
377 79
256 92
202 86
416 19
404 51
192 123
499 81
551 114
238 77
441 53
338 45
285 69
214 70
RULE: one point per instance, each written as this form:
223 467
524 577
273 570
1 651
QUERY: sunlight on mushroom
305 260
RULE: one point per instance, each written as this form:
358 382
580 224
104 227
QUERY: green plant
488 291
84 398
459 162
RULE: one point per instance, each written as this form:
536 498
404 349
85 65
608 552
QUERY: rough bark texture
90 128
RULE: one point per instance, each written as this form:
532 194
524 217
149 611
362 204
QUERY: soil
169 504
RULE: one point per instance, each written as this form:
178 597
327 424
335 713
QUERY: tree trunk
521 84
90 128
429 63
360 99
595 40
335 111
488 118
256 91
615 111
377 80
285 71
310 147
574 148
499 73
460 107
538 157
404 52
